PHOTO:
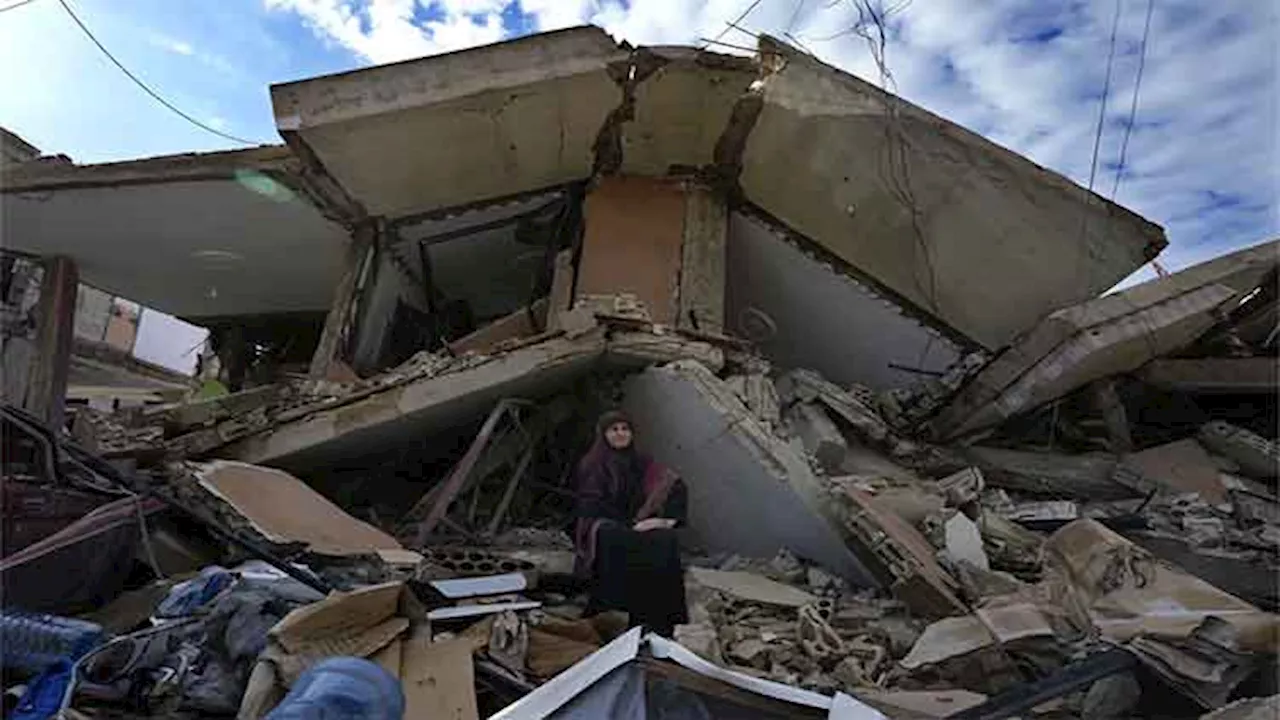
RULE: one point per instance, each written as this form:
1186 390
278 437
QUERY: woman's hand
654 524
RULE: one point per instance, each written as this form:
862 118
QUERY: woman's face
618 435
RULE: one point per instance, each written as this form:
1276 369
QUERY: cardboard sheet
437 678
382 623
1129 592
284 510
958 636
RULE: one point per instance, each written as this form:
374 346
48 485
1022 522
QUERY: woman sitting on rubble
628 507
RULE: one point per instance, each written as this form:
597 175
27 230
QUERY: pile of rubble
1086 558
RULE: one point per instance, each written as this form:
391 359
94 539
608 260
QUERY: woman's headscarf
613 470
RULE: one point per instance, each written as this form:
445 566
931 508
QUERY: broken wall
749 492
815 316
962 228
1105 336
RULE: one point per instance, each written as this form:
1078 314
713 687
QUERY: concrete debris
1051 474
1247 709
747 586
904 499
1065 510
963 488
760 396
823 583
964 542
785 567
1257 456
816 638
1181 467
807 386
821 439
283 510
509 641
958 636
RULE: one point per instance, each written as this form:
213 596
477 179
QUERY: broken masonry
962 487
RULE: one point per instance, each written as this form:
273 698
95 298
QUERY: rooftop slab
217 234
974 237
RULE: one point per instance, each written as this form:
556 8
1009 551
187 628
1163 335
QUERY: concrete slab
821 318
453 129
749 492
1103 337
220 234
401 413
455 396
1212 376
1181 467
826 158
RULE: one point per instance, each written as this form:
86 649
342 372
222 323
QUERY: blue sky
1027 73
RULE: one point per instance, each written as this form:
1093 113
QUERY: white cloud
173 45
385 31
1024 73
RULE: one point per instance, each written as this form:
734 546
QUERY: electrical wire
1106 90
156 96
1082 266
795 15
740 18
871 27
1133 102
16 5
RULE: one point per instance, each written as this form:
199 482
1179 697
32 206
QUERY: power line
795 15
1133 102
16 5
739 19
156 96
1106 90
1089 246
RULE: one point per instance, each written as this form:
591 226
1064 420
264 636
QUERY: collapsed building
842 319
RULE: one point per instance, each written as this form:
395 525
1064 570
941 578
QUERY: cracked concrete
936 217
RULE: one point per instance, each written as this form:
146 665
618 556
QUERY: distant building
14 150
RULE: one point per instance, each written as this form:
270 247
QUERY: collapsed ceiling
920 207
196 236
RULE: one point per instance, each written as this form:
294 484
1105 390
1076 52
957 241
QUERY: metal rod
915 370
510 492
454 483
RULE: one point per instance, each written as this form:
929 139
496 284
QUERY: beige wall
633 241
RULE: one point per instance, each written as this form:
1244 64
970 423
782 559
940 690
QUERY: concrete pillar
702 268
56 314
338 322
